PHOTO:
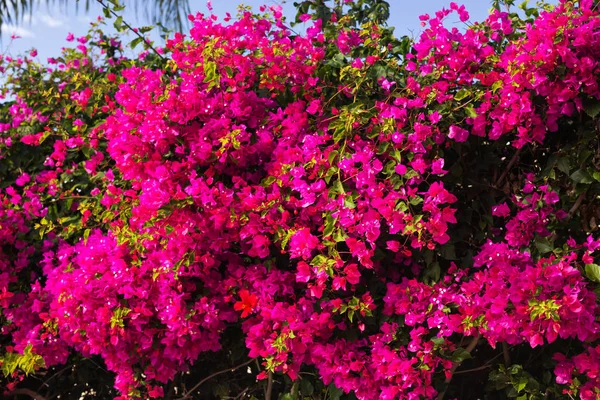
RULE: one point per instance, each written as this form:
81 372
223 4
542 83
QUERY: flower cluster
313 196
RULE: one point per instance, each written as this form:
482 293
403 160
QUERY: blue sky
47 28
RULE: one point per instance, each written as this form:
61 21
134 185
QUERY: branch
45 383
469 349
506 354
572 212
269 387
466 371
577 204
188 394
135 31
26 392
241 395
512 162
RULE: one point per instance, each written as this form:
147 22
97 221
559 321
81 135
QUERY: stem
577 204
241 395
45 383
469 349
512 162
269 387
572 212
101 2
189 393
506 354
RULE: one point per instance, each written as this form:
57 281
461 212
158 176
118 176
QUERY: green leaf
497 85
521 384
543 245
592 108
582 176
27 362
460 355
339 235
339 133
470 111
9 363
210 71
318 260
135 42
118 24
433 271
331 157
306 387
335 393
349 202
30 362
564 165
592 271
461 95
448 252
329 225
269 180
438 341
416 200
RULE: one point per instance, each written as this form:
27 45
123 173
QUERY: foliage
338 213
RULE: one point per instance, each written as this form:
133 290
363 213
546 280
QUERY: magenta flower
302 244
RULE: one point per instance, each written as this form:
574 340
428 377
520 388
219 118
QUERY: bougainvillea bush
316 210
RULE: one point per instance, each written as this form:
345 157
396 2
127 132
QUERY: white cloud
84 19
28 19
51 22
10 29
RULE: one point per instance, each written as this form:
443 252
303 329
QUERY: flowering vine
340 211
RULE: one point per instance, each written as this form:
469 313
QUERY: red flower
246 304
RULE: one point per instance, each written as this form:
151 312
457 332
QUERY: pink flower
501 210
314 106
302 243
401 169
352 274
437 167
23 179
357 63
303 274
458 134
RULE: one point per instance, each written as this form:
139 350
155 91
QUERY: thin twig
258 369
188 394
512 162
469 349
26 392
465 371
135 31
241 395
45 383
